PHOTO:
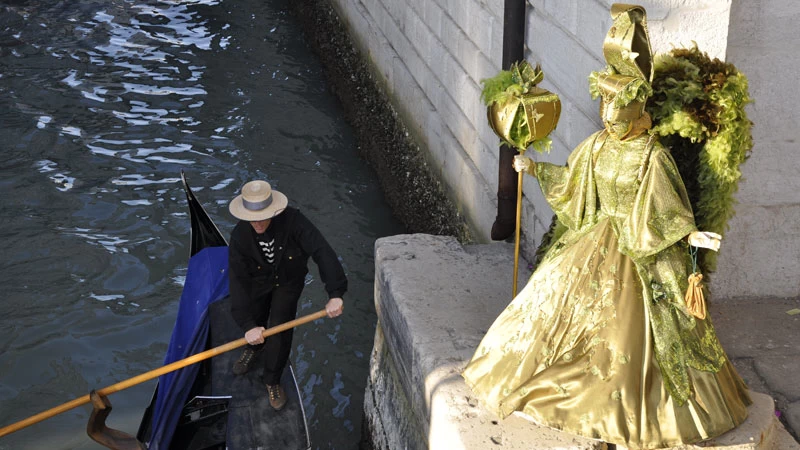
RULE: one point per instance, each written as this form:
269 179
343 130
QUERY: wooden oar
156 373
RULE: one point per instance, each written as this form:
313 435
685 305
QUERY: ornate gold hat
625 83
626 79
627 44
615 106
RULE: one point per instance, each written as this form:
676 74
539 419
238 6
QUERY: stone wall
431 55
763 245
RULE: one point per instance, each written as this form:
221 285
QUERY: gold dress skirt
575 352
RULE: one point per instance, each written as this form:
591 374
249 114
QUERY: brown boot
241 366
277 396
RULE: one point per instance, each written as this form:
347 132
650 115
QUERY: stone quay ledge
435 299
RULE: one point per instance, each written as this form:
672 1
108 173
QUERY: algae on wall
411 188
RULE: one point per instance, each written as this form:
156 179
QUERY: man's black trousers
279 306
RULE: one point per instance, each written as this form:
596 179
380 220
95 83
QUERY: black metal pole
513 51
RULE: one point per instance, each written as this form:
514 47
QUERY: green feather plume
637 90
698 111
500 88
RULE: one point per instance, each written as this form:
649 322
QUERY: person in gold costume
600 342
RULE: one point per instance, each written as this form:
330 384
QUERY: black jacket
251 278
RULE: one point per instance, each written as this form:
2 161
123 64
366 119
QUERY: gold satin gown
599 343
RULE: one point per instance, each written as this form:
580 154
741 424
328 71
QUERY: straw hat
258 201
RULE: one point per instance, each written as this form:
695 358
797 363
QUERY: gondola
204 406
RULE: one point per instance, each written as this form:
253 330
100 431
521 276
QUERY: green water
102 104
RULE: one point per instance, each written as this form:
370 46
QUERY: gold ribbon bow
526 76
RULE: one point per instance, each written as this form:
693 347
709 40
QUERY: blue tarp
206 282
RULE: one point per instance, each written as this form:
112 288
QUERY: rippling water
102 103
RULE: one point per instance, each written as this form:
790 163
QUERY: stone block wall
431 55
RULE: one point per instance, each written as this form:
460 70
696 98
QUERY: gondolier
268 262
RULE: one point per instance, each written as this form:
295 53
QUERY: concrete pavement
763 342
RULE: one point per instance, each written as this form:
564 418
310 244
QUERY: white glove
334 307
705 239
524 164
254 337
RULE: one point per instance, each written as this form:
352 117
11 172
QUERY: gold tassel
695 300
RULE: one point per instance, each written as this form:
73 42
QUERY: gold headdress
627 44
625 84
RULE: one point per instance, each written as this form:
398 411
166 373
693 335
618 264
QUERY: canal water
102 104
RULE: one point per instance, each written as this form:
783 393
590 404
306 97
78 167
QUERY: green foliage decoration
510 85
500 88
698 111
637 90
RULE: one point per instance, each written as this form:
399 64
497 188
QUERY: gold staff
521 114
517 230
